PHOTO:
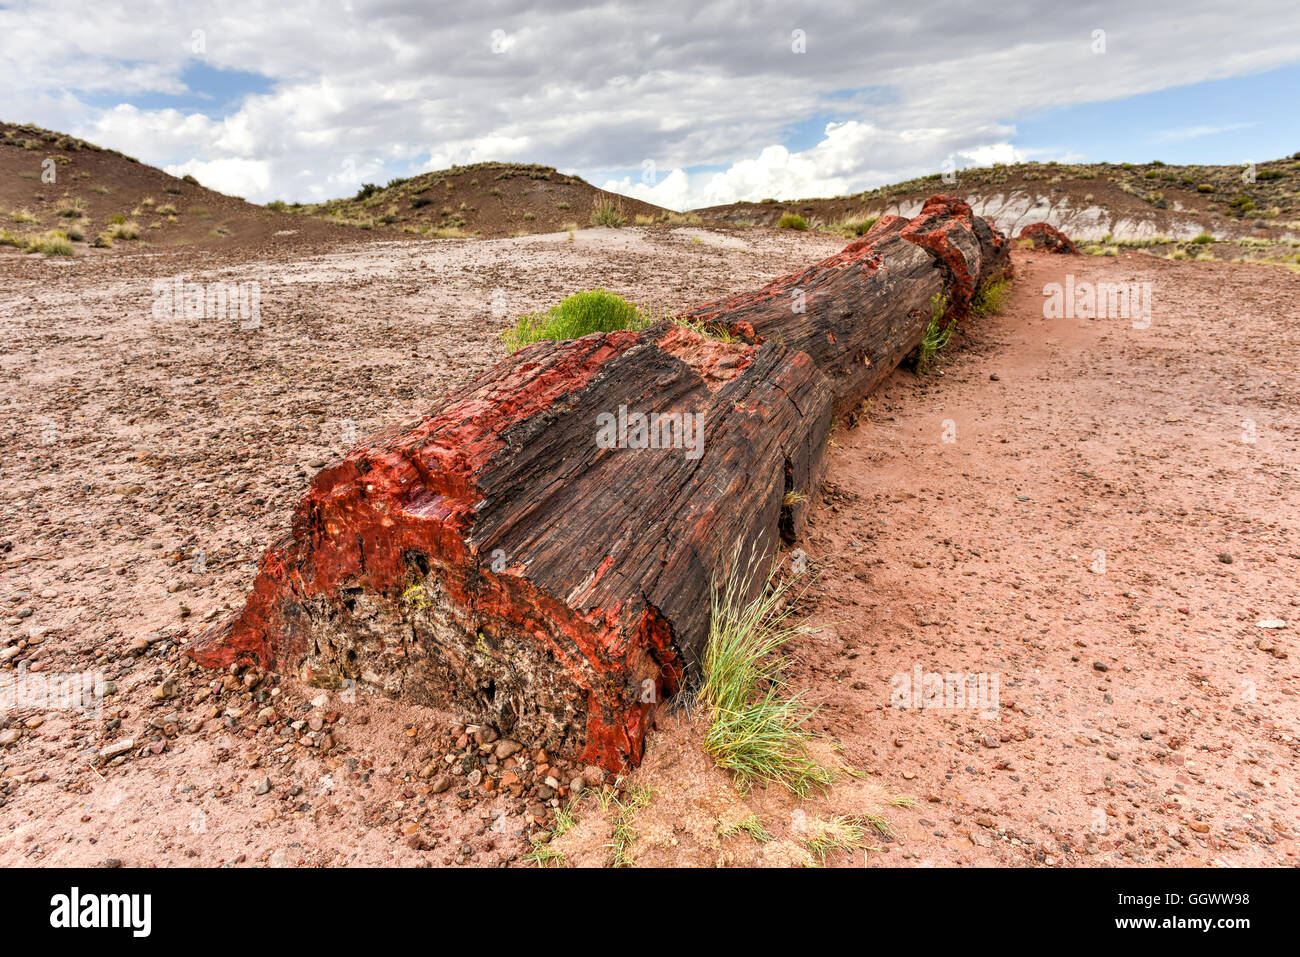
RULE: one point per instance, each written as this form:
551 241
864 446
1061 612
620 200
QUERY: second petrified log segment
536 553
860 312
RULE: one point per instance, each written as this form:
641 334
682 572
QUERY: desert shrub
187 178
1205 188
420 202
9 239
1202 239
583 313
366 191
75 233
124 230
167 209
24 216
792 221
606 212
54 243
278 205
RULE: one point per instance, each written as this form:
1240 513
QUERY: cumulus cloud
360 90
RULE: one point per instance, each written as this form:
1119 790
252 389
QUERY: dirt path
1097 536
149 462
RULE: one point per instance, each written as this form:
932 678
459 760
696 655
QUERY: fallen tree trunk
537 551
860 312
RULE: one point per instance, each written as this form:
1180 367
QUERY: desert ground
1097 514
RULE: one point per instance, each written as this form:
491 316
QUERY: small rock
505 748
116 748
1225 558
263 786
1271 623
440 784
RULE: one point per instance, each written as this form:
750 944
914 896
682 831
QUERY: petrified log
860 312
532 552
537 551
1049 238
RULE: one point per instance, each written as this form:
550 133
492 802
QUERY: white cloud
833 167
235 177
1196 132
394 86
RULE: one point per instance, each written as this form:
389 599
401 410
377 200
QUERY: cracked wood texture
859 313
520 556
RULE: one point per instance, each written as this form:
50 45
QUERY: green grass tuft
750 825
792 221
624 834
756 730
937 335
991 298
606 212
54 243
583 313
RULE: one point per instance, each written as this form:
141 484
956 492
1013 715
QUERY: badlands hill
485 200
1128 202
102 199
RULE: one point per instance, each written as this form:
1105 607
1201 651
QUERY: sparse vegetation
755 727
124 230
937 335
606 212
852 228
750 825
991 298
581 314
624 816
792 221
53 243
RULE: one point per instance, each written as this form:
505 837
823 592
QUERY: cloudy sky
682 102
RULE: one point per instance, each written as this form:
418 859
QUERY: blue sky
307 99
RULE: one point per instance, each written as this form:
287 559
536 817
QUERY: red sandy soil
1143 717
